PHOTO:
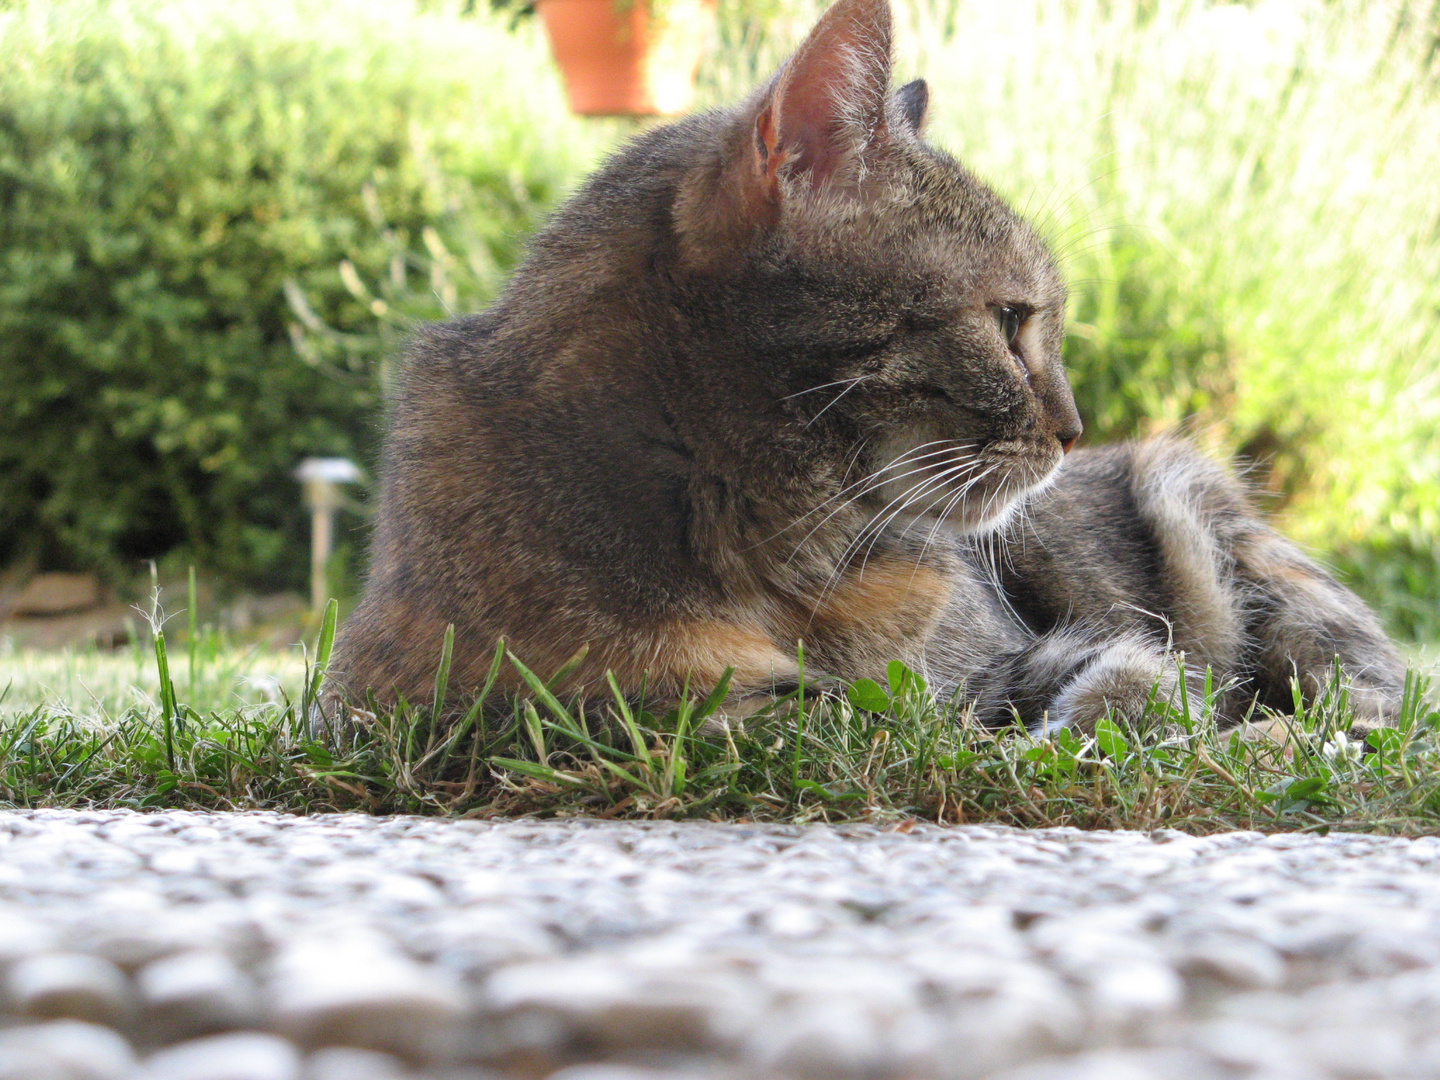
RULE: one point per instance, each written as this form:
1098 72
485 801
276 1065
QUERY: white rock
819 1042
1122 1065
64 1050
69 986
247 1055
622 1006
132 927
1128 993
1343 1047
1027 1011
197 992
883 989
355 989
22 936
793 920
476 942
1244 963
622 1072
1247 1046
348 1063
819 1039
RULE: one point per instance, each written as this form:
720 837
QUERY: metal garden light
320 479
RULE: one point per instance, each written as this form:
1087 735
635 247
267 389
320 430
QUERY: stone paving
188 946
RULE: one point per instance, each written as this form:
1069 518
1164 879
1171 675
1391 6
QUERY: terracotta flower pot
619 60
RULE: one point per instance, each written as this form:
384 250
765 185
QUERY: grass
200 727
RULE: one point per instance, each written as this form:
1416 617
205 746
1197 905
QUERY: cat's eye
1010 320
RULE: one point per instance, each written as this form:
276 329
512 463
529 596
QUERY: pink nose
1068 444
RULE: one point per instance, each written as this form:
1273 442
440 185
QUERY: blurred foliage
169 171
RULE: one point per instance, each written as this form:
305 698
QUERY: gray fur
752 386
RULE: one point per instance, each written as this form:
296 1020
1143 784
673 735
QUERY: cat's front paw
1120 682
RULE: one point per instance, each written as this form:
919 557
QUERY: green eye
1010 320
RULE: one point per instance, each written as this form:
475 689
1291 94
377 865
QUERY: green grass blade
167 697
442 673
193 641
627 718
568 668
717 696
542 692
799 720
540 772
472 715
316 676
624 774
536 731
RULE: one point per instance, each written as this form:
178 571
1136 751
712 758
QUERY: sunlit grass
97 684
239 735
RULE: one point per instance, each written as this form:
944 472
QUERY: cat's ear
827 105
914 101
815 122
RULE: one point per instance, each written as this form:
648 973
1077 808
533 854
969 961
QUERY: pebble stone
349 1063
355 988
194 993
64 1050
69 985
257 946
238 1056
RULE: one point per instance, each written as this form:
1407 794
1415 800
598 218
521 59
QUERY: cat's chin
993 515
984 520
991 487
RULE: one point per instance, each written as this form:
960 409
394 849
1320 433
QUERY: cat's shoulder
464 358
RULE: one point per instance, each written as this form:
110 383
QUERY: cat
787 373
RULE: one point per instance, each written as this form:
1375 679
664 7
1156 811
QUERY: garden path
256 946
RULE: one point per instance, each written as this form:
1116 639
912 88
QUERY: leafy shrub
167 168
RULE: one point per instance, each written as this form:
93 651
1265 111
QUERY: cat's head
882 293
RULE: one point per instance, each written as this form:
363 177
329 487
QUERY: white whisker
822 386
853 383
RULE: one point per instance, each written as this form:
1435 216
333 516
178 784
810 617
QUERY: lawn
217 727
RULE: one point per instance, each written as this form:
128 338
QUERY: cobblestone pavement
186 946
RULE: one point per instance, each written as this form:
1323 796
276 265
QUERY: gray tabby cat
787 372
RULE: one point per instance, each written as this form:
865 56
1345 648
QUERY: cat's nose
1069 431
1064 417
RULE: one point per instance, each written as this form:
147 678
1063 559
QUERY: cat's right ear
811 127
826 108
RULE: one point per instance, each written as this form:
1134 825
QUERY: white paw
1120 682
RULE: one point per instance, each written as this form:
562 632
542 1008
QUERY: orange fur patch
900 601
700 650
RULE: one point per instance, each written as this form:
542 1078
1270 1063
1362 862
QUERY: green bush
169 171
